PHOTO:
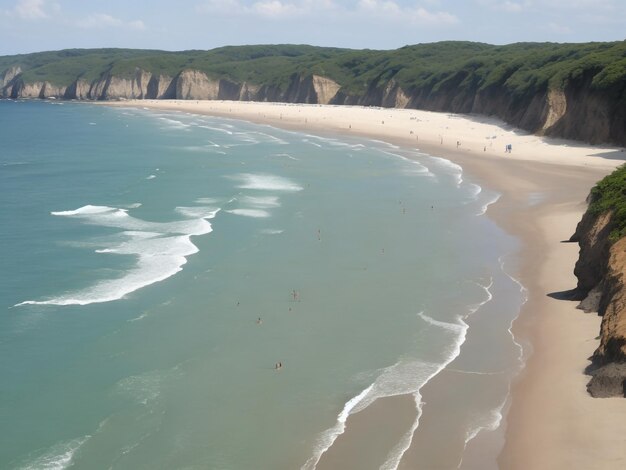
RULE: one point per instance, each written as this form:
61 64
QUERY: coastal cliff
601 270
574 91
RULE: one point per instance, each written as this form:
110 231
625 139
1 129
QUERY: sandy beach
550 422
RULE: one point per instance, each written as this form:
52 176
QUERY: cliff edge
573 91
601 270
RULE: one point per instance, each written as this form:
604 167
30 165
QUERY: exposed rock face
135 88
248 92
608 381
96 91
600 270
578 112
591 115
9 74
592 234
325 89
161 87
194 85
49 90
7 81
394 96
613 309
79 90
28 90
111 87
556 107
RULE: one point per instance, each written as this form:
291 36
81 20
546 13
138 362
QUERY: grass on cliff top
609 194
522 69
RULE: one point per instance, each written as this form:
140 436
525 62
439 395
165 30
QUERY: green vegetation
609 194
522 69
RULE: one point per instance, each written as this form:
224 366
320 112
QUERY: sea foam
456 171
57 457
265 182
255 213
159 248
406 377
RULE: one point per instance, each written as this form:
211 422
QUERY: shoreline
550 421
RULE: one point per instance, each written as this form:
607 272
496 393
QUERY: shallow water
140 249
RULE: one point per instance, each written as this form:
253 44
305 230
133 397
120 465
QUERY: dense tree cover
609 194
522 68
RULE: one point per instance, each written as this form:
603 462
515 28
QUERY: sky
42 25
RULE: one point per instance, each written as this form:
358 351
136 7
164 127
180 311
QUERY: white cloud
558 28
507 6
266 8
297 8
579 4
104 21
511 7
415 14
276 8
541 6
222 6
438 17
30 9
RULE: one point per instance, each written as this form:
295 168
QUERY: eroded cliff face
601 287
78 90
6 79
194 85
161 87
577 112
325 89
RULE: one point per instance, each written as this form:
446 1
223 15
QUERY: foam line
285 155
262 202
327 439
395 456
218 129
496 414
255 213
483 209
402 378
174 124
456 170
58 457
159 248
524 293
265 182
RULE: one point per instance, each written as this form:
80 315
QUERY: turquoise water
140 250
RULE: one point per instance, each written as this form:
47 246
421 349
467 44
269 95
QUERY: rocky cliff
187 85
600 270
577 112
575 91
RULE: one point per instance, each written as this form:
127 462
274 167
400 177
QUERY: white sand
477 134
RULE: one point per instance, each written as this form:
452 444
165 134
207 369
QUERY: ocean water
157 266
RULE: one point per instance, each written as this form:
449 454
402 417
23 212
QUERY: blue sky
38 25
